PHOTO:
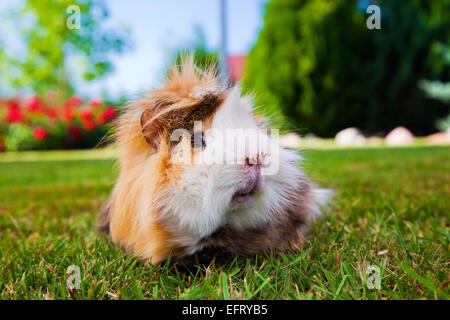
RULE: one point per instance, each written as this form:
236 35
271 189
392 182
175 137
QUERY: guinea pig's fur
161 207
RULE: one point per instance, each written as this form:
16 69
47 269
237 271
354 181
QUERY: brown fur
279 235
132 215
164 109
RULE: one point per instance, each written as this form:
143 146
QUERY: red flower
88 125
109 113
95 103
34 104
51 113
75 132
14 115
39 133
12 104
86 115
74 101
100 119
68 113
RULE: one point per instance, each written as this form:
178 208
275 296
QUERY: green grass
391 210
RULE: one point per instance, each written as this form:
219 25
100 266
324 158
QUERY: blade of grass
399 235
340 287
408 270
225 291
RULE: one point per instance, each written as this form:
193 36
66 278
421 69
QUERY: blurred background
317 68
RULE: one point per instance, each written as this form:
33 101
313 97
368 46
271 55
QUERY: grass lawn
391 210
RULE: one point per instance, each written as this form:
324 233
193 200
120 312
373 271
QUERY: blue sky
158 26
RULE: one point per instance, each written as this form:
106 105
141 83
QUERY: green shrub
19 137
203 56
317 64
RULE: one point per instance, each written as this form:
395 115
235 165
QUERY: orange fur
146 175
153 210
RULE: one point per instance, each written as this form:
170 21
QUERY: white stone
439 138
290 140
400 136
350 137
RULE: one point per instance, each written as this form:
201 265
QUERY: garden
368 111
390 211
47 124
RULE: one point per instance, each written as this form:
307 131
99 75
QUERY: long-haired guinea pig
186 187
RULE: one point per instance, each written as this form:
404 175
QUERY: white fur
202 200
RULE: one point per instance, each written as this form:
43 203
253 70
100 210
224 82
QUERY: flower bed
36 123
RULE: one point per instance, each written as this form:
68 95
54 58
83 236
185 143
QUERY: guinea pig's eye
198 140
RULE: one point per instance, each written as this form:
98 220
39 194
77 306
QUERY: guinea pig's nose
251 182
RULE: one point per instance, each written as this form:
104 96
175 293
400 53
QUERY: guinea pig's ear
151 130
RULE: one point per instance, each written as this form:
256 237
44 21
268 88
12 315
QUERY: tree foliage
203 56
54 54
318 63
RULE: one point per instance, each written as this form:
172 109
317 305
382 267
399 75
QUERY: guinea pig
185 188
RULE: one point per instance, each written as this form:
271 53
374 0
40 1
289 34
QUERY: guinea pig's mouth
252 184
